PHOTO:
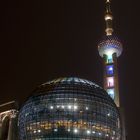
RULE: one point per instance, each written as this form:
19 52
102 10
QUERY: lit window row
45 126
76 131
70 107
75 107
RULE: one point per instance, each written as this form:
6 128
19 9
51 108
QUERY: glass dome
69 109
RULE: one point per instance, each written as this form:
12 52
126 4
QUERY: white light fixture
106 135
108 114
57 106
75 107
51 107
110 69
99 134
63 106
69 107
55 130
75 131
86 108
88 131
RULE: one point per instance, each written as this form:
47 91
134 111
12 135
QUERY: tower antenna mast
108 18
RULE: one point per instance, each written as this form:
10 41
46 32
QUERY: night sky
41 40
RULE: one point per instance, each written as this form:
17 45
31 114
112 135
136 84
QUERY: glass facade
69 109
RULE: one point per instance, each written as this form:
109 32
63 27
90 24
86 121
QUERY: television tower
110 48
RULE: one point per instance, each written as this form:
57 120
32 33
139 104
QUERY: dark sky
41 40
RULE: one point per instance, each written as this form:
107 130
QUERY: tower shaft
111 77
110 48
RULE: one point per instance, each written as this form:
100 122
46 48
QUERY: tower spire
108 18
110 48
108 9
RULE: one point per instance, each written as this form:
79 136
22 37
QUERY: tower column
110 48
116 81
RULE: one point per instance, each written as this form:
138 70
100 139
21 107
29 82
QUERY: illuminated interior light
55 130
110 68
86 108
110 81
57 106
51 107
99 134
93 132
106 135
75 131
109 57
108 114
69 107
26 114
63 106
69 130
88 132
39 131
34 131
75 107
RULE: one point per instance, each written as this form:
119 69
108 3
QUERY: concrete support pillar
0 129
10 130
12 133
123 126
8 125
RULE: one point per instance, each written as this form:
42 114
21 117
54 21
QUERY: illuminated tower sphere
110 48
69 109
